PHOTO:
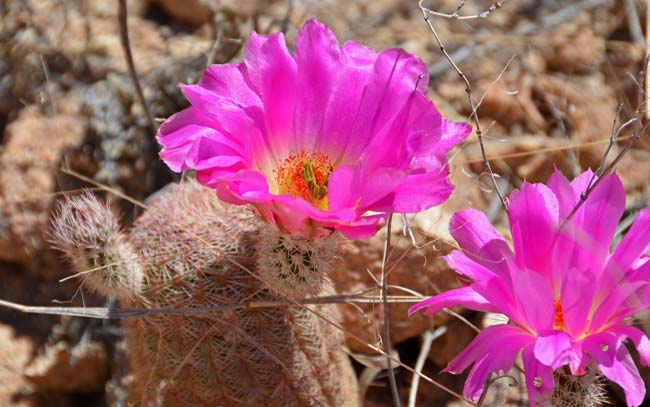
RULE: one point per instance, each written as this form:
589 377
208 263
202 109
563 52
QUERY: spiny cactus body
570 390
292 266
193 251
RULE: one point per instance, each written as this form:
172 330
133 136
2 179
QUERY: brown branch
640 128
468 91
124 40
455 16
384 295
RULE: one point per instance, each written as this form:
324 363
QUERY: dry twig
468 89
124 40
455 16
636 134
427 340
384 294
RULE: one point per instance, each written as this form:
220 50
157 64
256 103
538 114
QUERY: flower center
305 175
558 319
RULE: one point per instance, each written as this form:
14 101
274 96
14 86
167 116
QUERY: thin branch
286 21
124 40
468 90
633 23
427 340
384 294
559 118
548 21
125 313
455 16
636 134
605 171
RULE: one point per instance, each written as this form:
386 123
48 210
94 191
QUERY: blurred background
551 79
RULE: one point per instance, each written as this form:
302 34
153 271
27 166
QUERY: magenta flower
566 295
317 139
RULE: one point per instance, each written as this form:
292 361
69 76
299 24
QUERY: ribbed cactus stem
587 390
295 267
193 251
88 231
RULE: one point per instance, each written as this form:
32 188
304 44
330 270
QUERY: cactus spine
190 250
587 390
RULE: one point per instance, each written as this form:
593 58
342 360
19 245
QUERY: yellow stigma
305 175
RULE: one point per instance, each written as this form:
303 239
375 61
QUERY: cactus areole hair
316 139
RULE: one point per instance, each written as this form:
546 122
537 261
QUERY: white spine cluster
295 267
88 231
587 390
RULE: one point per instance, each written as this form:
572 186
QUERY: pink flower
317 139
566 295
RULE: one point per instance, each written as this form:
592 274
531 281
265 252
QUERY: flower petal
388 97
539 377
177 135
566 194
638 337
622 371
602 347
533 211
553 348
416 192
354 74
241 186
356 187
363 228
584 244
508 339
317 58
576 297
480 241
620 301
605 203
465 296
635 243
230 81
273 73
488 284
534 300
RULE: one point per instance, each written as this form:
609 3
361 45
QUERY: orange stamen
558 319
305 175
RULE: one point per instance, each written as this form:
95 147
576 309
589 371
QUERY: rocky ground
549 78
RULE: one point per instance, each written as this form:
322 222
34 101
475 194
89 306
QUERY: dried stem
124 40
468 89
633 23
427 340
636 134
384 295
455 16
126 313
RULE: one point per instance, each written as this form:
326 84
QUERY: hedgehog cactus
190 251
587 390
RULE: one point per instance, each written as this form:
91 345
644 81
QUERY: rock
193 12
198 12
575 52
83 368
15 353
34 146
